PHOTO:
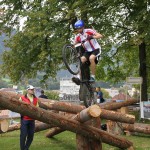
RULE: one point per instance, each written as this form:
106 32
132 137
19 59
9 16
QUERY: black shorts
88 54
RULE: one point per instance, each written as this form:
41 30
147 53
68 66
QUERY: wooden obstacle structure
85 122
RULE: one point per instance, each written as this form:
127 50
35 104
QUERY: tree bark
10 101
143 70
4 125
117 105
105 114
60 106
116 116
40 126
114 128
85 115
137 127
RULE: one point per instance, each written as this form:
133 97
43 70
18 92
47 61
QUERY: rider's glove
90 37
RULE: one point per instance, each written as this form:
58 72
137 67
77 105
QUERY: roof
121 96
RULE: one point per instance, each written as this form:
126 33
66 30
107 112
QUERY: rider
90 45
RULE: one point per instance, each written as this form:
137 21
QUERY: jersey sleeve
91 31
77 39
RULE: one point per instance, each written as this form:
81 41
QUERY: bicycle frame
86 87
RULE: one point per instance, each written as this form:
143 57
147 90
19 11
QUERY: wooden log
60 106
95 144
88 113
137 127
105 114
118 105
114 128
10 101
123 110
83 116
116 116
53 131
4 125
40 126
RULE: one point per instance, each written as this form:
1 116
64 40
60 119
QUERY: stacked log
40 126
4 125
136 127
10 101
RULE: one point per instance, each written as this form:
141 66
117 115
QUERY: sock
78 76
93 76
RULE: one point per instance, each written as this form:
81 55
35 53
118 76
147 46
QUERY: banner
145 109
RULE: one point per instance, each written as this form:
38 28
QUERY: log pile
84 122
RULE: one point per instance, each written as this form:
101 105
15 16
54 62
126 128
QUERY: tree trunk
137 127
10 101
116 116
4 125
60 106
72 108
114 128
143 70
85 115
95 144
40 126
105 114
118 105
89 143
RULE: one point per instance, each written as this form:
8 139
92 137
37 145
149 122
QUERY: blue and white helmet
79 24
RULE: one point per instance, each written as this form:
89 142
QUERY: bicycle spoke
70 59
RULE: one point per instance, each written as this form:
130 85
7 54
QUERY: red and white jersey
89 45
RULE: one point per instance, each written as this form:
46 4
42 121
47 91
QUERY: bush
52 95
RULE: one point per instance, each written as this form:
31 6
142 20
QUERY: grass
63 141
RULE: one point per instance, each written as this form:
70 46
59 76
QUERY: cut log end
94 111
4 125
130 116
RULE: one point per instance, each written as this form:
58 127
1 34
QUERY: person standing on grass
43 95
27 124
100 98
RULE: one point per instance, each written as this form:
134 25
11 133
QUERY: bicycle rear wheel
87 95
70 58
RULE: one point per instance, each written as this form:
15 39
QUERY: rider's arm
97 36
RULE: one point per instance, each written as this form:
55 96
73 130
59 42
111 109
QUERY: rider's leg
93 65
76 79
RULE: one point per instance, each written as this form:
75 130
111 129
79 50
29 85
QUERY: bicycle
71 57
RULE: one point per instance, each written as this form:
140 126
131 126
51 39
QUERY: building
112 92
69 91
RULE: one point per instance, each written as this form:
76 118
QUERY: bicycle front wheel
86 94
70 58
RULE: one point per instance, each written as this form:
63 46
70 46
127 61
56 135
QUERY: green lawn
63 141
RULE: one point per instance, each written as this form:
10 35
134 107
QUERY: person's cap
30 87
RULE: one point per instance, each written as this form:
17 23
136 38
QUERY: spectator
43 95
27 124
100 98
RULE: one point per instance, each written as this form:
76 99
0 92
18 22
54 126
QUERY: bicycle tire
70 59
86 95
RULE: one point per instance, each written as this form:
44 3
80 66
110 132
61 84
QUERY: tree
48 25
